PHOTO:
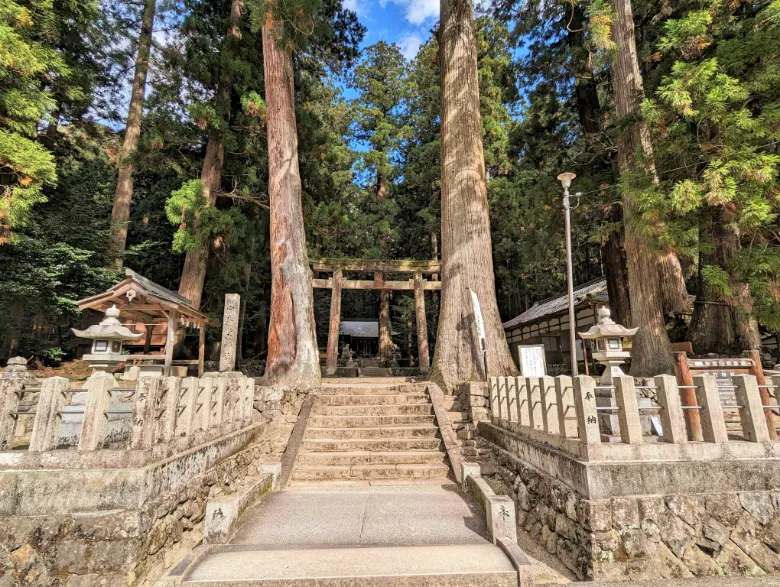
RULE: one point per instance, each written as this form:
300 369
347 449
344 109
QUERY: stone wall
697 529
65 542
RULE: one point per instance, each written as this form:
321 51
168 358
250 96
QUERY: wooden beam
201 351
170 342
331 362
423 355
374 265
372 285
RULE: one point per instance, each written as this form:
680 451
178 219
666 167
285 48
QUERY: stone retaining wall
718 529
129 524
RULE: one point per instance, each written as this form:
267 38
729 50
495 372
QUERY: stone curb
499 509
223 513
181 571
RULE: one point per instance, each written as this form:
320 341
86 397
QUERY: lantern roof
110 328
606 327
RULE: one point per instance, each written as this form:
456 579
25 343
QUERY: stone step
372 400
409 431
372 444
371 390
368 421
373 410
362 457
370 472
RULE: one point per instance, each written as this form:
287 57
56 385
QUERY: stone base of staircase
395 566
366 432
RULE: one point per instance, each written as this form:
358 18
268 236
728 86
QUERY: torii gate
337 282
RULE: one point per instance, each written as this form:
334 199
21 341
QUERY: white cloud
409 45
419 11
355 6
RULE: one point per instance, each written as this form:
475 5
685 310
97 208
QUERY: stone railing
625 421
105 414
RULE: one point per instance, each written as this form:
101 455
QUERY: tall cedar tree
123 196
381 79
193 274
293 357
467 263
652 351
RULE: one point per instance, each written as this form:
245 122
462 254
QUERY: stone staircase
370 432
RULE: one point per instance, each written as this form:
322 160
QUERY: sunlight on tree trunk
123 196
652 351
467 263
293 358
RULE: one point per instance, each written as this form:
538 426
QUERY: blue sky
405 22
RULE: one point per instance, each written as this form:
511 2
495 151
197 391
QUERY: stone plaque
532 363
227 354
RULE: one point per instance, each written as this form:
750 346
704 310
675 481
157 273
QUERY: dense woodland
158 135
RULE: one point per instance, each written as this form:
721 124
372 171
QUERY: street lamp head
565 179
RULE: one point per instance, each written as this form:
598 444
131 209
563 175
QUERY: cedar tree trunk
467 262
721 324
123 196
614 254
193 274
293 358
652 351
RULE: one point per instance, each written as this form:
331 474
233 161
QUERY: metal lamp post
565 179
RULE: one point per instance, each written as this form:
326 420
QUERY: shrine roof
592 292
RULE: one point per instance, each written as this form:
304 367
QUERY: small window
614 344
116 346
101 346
600 344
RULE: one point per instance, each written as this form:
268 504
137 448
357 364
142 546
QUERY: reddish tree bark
467 262
652 351
293 357
193 274
123 195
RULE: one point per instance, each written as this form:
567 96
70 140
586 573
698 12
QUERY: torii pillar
331 362
423 355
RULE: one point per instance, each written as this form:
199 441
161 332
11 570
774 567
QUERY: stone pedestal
230 317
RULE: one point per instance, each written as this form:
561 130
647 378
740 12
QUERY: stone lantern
108 338
608 337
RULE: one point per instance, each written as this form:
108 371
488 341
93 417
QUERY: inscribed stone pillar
227 352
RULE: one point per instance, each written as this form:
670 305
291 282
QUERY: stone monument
230 317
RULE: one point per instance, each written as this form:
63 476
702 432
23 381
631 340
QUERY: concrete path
376 516
421 535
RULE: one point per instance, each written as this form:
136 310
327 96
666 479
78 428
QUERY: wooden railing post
672 418
751 411
564 398
587 415
143 422
93 429
628 410
764 392
713 424
46 428
688 396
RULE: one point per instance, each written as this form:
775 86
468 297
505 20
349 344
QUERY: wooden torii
337 283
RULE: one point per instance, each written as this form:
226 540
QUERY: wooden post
170 338
148 341
201 349
766 399
688 396
332 360
423 354
46 428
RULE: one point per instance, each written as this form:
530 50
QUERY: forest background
368 131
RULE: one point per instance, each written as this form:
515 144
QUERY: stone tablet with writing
532 362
